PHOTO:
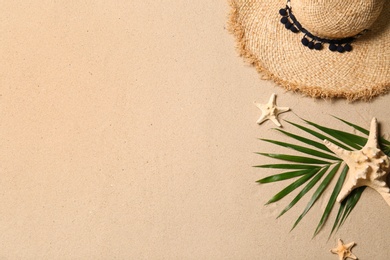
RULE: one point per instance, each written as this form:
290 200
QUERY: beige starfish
367 167
344 251
270 111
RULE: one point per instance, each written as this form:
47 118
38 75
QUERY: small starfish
367 167
344 251
270 111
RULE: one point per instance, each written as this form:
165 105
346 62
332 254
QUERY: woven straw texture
335 18
279 55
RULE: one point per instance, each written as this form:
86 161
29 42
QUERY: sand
128 131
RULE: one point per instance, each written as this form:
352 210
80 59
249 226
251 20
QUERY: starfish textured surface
270 111
344 251
367 167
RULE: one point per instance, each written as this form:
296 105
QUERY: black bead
340 49
348 47
305 41
311 45
284 20
332 47
318 46
288 25
283 12
294 29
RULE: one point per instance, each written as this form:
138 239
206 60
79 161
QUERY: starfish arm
275 120
258 105
282 109
350 245
373 136
345 190
272 99
334 250
337 252
261 119
386 197
340 152
352 256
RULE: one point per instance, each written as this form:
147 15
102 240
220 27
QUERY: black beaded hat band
311 41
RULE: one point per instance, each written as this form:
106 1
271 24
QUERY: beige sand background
127 131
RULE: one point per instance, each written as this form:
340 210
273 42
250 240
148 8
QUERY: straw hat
357 70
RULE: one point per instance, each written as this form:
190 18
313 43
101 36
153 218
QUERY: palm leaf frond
346 206
320 136
284 176
383 143
356 127
332 200
303 149
290 188
318 193
287 166
305 140
305 190
293 158
351 140
311 170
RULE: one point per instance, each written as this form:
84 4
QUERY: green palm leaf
305 190
332 199
356 127
303 149
320 136
318 193
346 206
286 166
351 140
384 144
351 203
305 140
284 176
293 158
280 195
311 170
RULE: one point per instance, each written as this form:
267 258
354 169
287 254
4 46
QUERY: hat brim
279 55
